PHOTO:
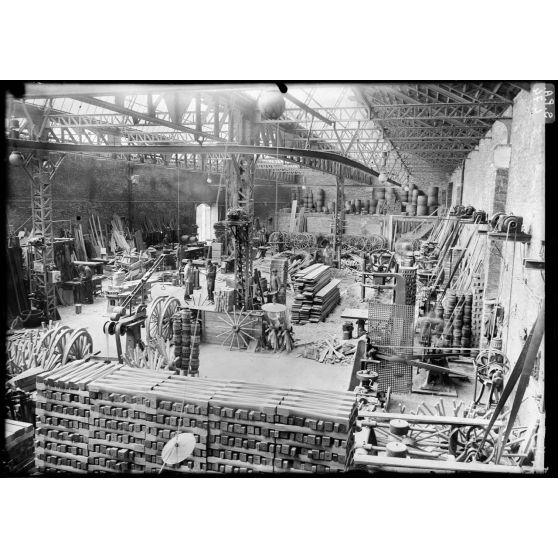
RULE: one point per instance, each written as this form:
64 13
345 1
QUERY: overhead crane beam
327 162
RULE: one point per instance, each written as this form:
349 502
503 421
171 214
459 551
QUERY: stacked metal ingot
63 415
118 419
449 308
19 452
179 404
314 431
242 428
457 322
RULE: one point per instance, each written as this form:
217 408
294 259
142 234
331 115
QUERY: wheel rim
79 345
153 317
165 321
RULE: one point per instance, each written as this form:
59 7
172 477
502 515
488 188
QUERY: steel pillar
339 217
41 170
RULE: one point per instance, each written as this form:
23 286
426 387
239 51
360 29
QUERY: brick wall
83 185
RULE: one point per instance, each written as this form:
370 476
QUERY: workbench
355 314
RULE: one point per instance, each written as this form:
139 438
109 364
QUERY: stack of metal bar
63 415
242 434
18 437
314 431
120 418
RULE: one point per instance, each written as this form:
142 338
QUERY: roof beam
143 116
307 109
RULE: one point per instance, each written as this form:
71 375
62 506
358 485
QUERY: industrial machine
128 322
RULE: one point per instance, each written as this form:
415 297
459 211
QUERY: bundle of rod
123 420
155 356
118 238
63 415
96 232
224 300
194 361
79 244
19 455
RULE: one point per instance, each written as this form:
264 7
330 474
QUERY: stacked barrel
449 308
320 196
412 207
195 349
380 196
404 195
432 199
422 208
307 200
466 331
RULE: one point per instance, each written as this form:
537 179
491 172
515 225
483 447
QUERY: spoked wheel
165 320
153 317
55 350
78 346
464 444
235 333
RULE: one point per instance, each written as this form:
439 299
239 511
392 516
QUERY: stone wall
519 190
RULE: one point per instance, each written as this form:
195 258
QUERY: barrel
347 206
348 330
331 207
367 206
421 199
411 209
78 308
380 193
422 210
353 206
358 205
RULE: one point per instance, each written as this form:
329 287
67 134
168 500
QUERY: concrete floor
280 369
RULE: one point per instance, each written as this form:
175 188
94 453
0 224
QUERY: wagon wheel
153 318
464 445
58 340
165 320
234 333
78 346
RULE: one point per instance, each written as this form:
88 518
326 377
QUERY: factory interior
270 279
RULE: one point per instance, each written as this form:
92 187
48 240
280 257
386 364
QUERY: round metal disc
273 307
177 449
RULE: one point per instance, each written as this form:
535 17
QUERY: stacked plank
242 435
317 294
314 431
307 283
325 301
19 454
63 414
